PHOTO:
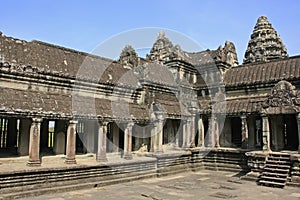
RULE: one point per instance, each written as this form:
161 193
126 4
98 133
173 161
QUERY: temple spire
265 44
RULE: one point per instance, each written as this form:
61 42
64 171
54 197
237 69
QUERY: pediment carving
283 94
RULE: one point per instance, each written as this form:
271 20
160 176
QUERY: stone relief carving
283 94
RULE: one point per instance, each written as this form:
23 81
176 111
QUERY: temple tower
265 44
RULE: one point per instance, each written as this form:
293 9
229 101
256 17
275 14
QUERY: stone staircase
276 171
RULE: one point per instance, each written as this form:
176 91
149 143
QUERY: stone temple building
56 100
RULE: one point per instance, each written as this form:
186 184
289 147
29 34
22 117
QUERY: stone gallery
203 109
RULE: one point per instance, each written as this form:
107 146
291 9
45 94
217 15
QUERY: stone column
201 132
153 138
34 142
71 143
128 141
193 130
266 133
216 132
210 132
188 133
160 135
244 132
102 133
298 123
184 134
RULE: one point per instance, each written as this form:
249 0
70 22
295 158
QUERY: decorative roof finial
129 57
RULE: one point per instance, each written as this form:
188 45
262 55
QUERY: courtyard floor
190 185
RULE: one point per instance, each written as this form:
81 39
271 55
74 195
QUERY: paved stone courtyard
190 185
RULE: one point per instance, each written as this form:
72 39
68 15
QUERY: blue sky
82 25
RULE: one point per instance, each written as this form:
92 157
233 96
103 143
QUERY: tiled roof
59 60
274 71
61 105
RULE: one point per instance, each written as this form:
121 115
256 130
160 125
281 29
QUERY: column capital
243 117
72 121
103 122
37 119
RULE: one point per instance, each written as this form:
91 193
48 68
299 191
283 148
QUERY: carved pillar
210 132
153 138
34 142
201 142
298 123
244 132
193 130
266 133
188 132
102 133
184 134
160 135
128 141
216 132
71 143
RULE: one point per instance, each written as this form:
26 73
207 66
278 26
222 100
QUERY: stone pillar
34 143
184 134
216 132
102 133
23 148
210 132
188 132
153 138
244 132
160 135
193 130
298 123
266 133
71 143
201 142
128 141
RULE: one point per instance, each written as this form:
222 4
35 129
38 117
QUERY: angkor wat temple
203 109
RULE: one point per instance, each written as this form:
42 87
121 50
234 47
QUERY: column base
70 161
101 158
34 163
127 156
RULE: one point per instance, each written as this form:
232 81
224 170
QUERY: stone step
264 182
271 174
275 179
36 177
268 165
53 178
277 162
270 169
70 182
26 179
279 158
64 188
